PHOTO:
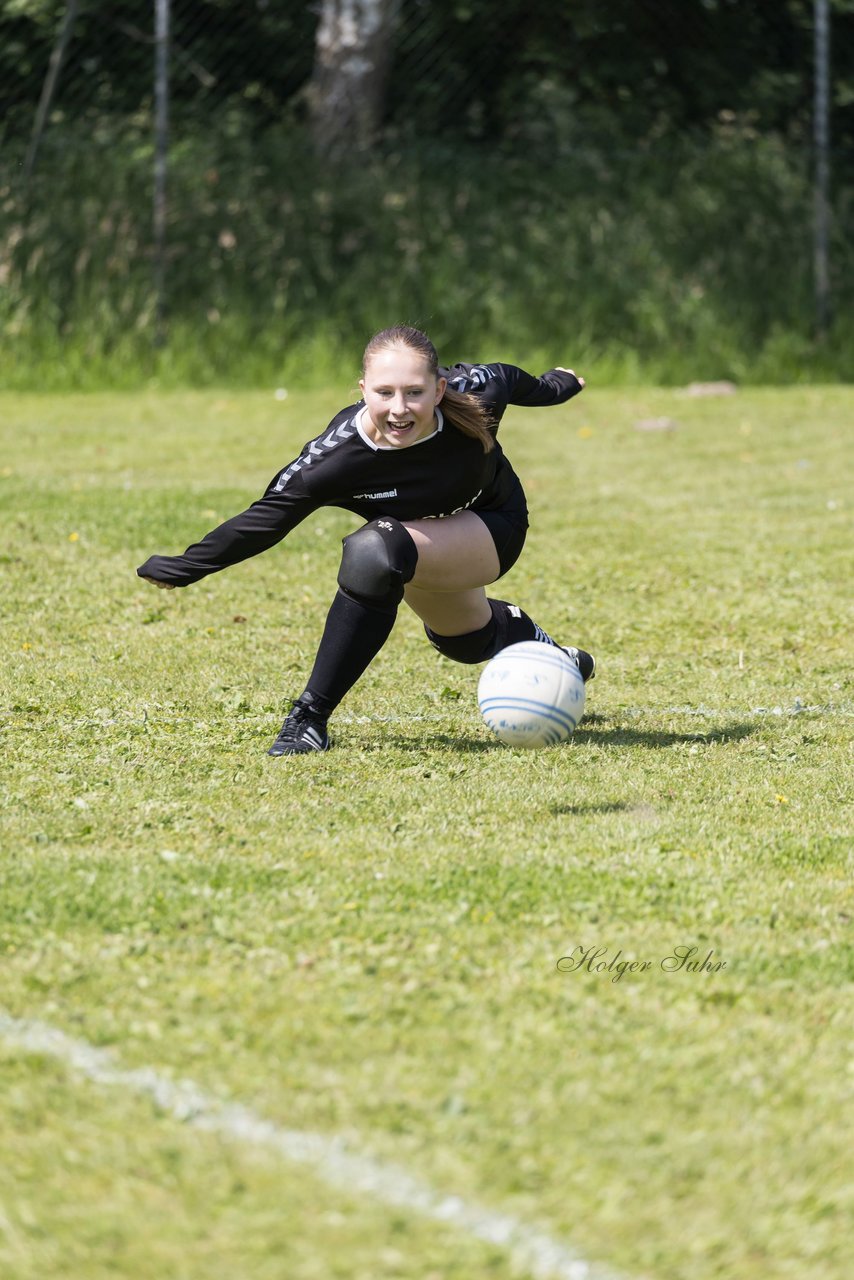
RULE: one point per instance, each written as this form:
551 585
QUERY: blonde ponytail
468 415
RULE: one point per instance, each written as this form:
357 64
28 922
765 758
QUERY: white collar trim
390 448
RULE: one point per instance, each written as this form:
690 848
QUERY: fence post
161 154
49 87
821 136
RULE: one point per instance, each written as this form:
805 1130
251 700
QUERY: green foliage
673 261
471 69
258 55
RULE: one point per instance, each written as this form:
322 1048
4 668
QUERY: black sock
514 626
353 636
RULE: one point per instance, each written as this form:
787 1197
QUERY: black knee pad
378 560
474 646
481 645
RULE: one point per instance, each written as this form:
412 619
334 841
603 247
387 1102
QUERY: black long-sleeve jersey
437 476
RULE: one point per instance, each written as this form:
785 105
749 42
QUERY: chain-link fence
479 68
134 132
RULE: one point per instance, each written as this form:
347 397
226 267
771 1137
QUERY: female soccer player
418 459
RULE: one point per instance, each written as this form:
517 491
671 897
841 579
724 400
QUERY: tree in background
346 94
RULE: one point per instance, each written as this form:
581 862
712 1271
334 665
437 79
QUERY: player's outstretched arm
502 384
260 527
555 386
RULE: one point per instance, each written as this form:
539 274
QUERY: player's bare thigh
450 613
454 554
456 559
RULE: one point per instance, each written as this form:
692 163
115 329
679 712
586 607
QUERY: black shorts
509 528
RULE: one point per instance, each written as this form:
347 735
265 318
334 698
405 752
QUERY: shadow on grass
423 743
594 730
612 806
594 735
585 735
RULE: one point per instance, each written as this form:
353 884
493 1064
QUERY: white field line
831 710
543 1257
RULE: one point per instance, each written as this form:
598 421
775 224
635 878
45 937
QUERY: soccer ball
531 695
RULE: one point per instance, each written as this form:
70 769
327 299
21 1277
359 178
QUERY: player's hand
575 375
164 586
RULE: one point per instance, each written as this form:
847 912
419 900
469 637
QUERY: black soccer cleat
304 730
585 661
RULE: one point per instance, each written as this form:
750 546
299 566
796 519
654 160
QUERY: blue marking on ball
531 695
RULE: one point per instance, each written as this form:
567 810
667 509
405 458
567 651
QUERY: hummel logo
384 493
384 524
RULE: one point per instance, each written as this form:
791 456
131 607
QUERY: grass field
364 945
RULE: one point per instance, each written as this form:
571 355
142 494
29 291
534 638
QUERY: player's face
401 394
